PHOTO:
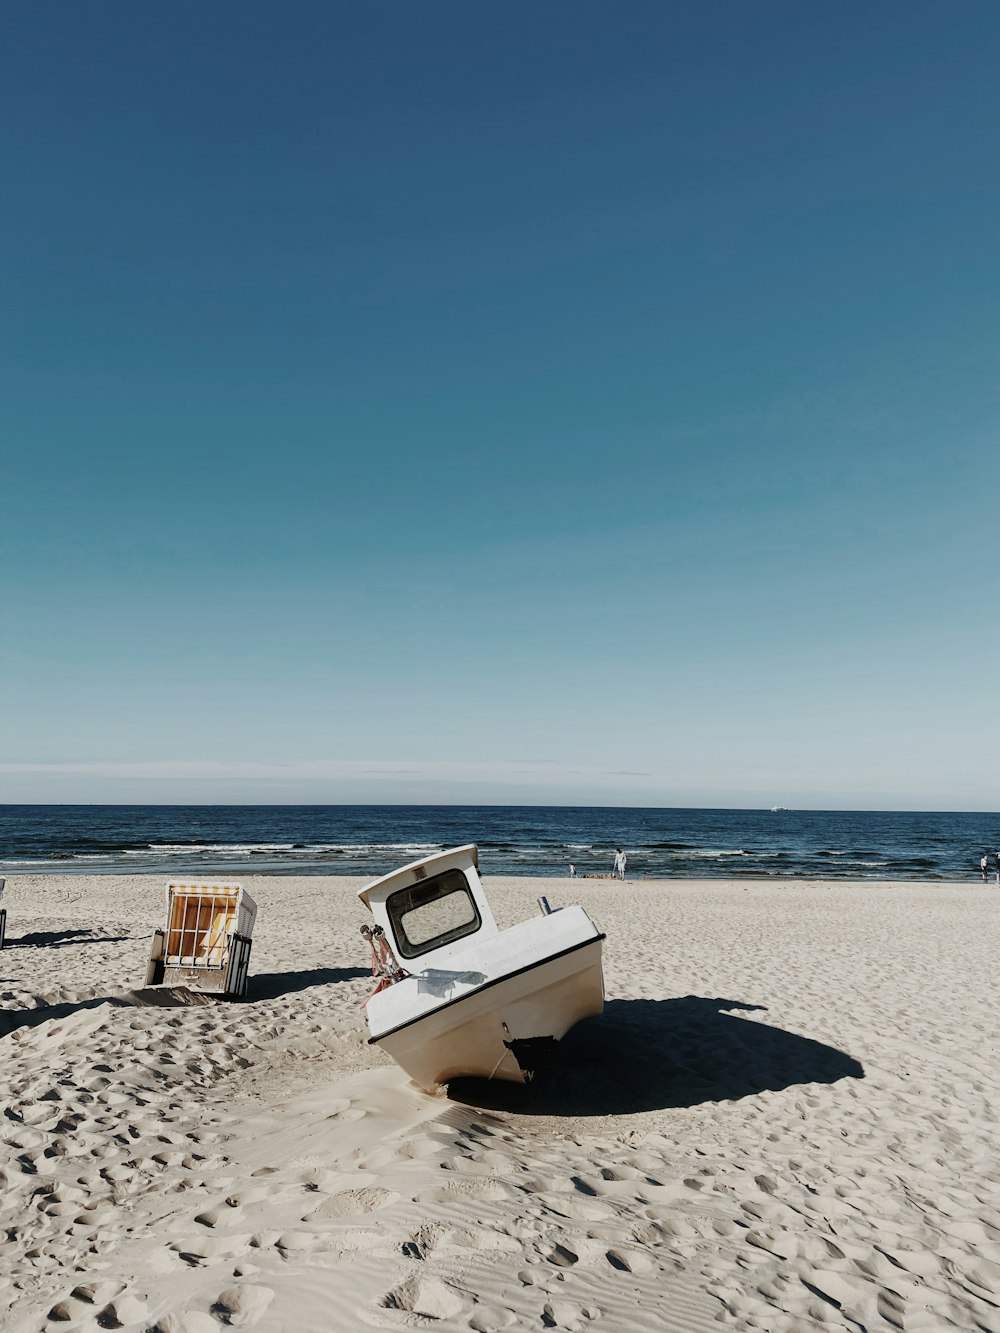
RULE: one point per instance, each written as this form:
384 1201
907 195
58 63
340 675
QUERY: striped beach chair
206 942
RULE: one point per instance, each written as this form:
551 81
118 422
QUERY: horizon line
489 805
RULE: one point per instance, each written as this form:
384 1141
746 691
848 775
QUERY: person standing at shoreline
622 858
982 867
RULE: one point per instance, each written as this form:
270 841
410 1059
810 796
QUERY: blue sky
563 403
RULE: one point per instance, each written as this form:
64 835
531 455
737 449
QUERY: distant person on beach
619 870
572 870
982 867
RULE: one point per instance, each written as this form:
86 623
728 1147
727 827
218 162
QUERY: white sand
713 1154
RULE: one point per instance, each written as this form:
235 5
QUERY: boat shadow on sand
649 1055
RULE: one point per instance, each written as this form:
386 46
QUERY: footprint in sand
379 1158
471 1189
542 1184
617 1173
188 1321
199 1251
567 1315
561 1256
213 1217
433 1237
429 1297
120 1307
630 1261
489 1317
242 1306
352 1203
576 1210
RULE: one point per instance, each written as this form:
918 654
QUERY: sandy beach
787 1118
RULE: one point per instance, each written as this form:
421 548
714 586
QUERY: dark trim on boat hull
478 990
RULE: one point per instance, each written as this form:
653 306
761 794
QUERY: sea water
370 840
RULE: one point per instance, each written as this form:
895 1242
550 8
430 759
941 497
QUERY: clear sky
560 402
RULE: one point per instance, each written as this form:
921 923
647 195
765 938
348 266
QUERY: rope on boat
384 965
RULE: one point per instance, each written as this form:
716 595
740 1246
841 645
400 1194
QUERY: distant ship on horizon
775 809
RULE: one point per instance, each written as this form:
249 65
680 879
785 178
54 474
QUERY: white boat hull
472 1035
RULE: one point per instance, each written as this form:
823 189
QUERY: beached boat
206 942
456 995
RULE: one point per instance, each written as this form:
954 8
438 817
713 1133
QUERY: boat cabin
430 910
205 944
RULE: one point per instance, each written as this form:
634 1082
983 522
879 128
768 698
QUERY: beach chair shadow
58 938
650 1055
266 986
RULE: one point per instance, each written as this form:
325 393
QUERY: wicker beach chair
206 942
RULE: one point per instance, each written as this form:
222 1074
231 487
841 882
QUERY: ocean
513 840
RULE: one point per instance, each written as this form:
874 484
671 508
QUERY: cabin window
435 912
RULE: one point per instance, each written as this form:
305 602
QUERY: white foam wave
184 848
367 848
